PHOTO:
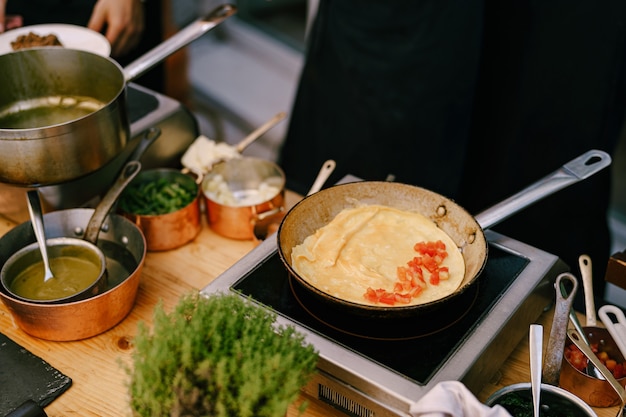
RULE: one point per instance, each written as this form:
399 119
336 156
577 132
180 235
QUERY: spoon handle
536 352
34 209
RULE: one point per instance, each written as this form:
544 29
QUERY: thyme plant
218 356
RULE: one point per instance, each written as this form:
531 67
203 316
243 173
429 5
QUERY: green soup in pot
72 274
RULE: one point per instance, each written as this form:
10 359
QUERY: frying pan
317 210
63 112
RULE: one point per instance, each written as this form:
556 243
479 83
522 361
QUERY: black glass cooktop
414 347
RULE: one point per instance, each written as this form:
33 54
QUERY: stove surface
373 369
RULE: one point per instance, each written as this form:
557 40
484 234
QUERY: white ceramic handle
617 327
584 262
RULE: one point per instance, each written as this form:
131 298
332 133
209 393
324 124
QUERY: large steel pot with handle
63 112
317 210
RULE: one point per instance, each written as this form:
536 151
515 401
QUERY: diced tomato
388 298
444 273
430 263
410 278
403 298
434 277
401 274
415 263
610 364
370 295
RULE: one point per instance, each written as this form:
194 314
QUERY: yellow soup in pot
72 274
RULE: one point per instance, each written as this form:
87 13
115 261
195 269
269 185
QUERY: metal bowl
552 397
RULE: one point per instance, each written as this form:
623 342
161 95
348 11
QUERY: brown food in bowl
32 40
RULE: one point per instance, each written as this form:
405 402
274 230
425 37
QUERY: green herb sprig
218 356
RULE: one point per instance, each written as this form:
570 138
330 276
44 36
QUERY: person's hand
123 20
3 6
8 22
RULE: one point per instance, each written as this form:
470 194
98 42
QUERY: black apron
387 89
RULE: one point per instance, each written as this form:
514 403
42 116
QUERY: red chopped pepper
410 278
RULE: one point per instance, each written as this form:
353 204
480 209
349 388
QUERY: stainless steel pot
63 112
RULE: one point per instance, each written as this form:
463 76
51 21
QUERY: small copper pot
172 230
594 391
123 245
228 217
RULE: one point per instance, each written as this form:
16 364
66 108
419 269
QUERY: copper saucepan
317 210
124 247
63 112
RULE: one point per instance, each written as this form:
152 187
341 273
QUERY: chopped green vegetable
159 196
218 356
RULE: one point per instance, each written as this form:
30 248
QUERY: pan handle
177 41
572 172
556 342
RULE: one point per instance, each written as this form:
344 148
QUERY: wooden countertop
95 365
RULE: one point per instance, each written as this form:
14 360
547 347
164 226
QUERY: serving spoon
36 218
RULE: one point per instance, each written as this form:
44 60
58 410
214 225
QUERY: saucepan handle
613 319
177 41
574 171
556 342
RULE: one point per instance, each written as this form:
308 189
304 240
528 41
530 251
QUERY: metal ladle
36 218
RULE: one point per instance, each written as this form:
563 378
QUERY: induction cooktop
373 369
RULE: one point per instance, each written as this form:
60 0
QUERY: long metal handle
182 38
130 171
535 343
574 171
556 344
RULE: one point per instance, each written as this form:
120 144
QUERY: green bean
156 197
